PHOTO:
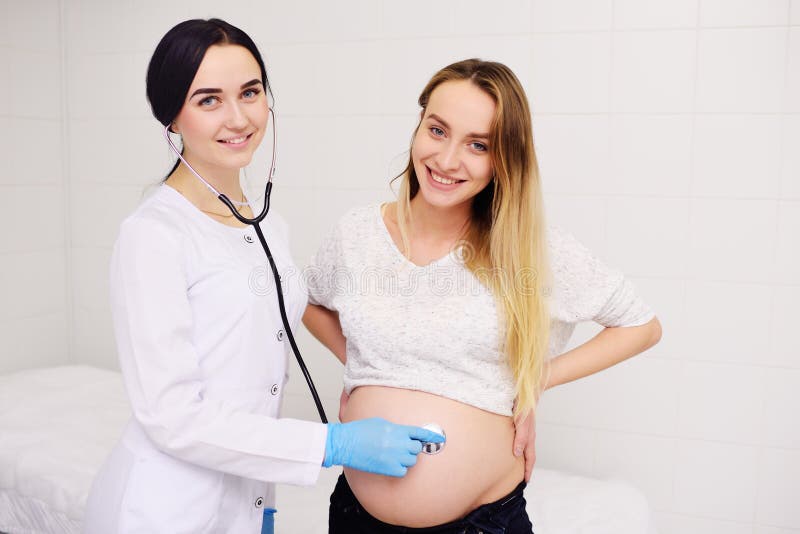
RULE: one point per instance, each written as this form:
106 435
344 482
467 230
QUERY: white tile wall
293 76
99 202
648 236
33 26
744 12
348 20
633 14
737 155
31 151
94 93
653 71
33 284
731 411
5 89
720 227
559 138
787 257
564 447
571 15
650 155
298 139
134 155
741 70
779 484
90 275
646 461
761 529
6 20
36 341
716 480
34 81
402 20
790 168
94 338
792 89
43 233
508 17
785 344
350 159
582 216
727 322
649 130
360 63
636 396
571 73
780 428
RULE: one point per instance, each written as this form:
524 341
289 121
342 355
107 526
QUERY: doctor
200 339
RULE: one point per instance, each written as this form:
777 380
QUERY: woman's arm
609 347
324 325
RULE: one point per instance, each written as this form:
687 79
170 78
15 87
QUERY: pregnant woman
453 306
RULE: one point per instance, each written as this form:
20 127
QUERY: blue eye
207 101
438 132
480 147
251 93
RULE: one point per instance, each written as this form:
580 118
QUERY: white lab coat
204 359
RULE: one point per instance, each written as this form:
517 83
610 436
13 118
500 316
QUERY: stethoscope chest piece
433 448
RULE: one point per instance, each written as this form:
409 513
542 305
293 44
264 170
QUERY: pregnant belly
475 467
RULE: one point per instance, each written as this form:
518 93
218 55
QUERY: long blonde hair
506 246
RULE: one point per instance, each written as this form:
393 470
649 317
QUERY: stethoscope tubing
255 223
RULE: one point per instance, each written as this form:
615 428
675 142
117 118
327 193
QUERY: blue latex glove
376 446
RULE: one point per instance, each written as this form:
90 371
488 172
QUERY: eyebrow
212 90
437 118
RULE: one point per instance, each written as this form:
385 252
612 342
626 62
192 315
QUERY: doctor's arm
223 430
169 393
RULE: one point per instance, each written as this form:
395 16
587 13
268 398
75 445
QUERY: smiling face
225 113
450 149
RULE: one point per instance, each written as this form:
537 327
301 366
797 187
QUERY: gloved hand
376 446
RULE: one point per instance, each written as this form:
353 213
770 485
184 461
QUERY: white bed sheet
58 424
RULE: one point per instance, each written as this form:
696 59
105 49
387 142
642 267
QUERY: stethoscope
254 222
427 447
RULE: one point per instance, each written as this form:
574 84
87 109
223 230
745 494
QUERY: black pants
504 516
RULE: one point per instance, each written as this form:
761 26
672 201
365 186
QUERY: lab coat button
259 502
274 389
280 335
248 238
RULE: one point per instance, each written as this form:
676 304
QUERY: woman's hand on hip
525 441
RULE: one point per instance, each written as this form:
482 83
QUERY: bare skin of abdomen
476 466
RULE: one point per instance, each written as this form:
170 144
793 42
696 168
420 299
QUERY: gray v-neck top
436 328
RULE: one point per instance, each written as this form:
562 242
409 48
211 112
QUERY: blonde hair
505 240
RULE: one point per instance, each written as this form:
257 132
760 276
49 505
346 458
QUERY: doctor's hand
376 446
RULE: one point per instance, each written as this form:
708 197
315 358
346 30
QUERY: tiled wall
669 139
33 210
